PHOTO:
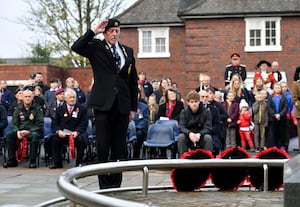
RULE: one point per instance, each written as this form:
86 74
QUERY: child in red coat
244 122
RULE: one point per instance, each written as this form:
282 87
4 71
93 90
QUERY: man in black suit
114 93
70 122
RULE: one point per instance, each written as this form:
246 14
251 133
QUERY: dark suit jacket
51 109
77 121
109 84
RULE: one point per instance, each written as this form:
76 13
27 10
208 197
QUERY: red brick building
180 39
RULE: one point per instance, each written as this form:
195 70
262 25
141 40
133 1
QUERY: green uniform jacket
31 119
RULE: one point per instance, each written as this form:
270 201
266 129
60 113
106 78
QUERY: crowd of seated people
269 106
34 101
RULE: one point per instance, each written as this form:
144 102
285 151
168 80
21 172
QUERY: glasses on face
204 96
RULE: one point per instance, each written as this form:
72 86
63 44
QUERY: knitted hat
243 103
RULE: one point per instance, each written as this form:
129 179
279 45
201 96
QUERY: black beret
17 90
54 80
263 62
112 23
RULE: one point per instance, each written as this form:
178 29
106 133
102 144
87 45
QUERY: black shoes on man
14 163
9 163
56 166
32 164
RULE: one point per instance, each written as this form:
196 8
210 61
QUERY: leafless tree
61 22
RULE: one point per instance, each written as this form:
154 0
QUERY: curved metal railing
67 181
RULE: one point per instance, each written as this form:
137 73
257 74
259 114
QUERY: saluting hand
100 27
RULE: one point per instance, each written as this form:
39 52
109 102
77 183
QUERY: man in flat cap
235 67
114 93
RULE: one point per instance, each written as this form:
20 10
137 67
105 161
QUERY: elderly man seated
69 124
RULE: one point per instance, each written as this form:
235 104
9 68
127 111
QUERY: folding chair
47 135
131 138
2 139
159 136
173 123
91 148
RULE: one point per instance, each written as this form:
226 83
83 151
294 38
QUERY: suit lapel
125 55
109 53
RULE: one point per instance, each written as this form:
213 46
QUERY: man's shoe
32 164
56 166
11 164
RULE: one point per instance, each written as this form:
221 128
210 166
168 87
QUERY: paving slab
25 187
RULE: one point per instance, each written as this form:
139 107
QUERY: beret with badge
112 23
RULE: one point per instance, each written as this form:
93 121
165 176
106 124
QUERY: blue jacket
7 98
141 117
3 119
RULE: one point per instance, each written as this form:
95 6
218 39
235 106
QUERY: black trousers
57 143
111 131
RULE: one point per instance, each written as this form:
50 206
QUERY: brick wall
22 72
205 45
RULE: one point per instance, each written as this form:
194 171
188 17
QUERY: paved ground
24 187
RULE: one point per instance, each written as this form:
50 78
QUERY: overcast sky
14 37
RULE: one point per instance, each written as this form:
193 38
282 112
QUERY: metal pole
145 181
266 177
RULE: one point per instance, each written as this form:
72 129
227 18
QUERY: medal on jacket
31 117
129 69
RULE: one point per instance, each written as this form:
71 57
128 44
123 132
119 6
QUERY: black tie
117 58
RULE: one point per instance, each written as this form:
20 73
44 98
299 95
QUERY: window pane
273 24
147 41
255 36
160 44
270 33
258 43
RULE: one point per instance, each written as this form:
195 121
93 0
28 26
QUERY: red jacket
270 78
245 119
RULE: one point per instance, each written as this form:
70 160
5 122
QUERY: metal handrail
66 181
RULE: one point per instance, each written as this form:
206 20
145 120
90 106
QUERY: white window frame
259 24
156 32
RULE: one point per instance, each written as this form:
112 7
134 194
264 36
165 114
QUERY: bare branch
63 21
